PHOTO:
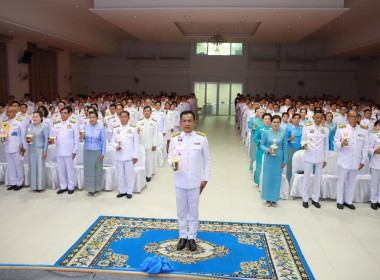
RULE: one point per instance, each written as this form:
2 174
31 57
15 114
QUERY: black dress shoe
340 206
181 244
121 195
350 206
148 179
17 188
11 187
305 204
192 245
61 191
70 191
316 204
129 196
374 206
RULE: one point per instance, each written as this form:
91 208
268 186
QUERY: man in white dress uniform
351 142
66 132
315 140
15 130
125 140
191 149
147 130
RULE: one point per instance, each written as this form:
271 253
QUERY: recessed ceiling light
77 6
289 27
217 27
147 26
245 16
196 30
134 16
12 31
187 16
299 17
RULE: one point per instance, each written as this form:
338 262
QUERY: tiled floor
39 228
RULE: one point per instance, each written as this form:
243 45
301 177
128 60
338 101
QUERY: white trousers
187 210
15 169
126 176
375 185
347 176
308 169
149 162
65 172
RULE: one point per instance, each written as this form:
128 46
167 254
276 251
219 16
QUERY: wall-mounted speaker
26 58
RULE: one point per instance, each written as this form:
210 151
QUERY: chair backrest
51 157
365 170
332 164
141 157
297 163
109 158
2 153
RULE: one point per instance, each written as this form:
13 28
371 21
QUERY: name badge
197 143
14 133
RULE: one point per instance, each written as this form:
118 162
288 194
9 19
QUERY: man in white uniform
351 142
15 147
67 144
125 140
191 148
315 140
132 112
147 130
341 119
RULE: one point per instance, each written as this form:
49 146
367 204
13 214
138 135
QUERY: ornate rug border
289 237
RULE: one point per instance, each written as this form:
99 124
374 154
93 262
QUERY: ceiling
185 21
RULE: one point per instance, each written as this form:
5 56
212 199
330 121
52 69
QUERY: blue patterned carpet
225 250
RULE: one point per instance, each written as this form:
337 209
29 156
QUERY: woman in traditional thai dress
267 118
332 127
293 134
274 143
37 135
254 122
95 142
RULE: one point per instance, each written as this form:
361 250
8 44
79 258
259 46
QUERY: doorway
217 98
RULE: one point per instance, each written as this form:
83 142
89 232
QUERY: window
221 49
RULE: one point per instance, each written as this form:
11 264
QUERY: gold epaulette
22 114
375 132
5 120
57 122
364 127
176 134
19 119
140 119
72 121
116 126
308 124
325 125
132 125
342 126
154 120
201 133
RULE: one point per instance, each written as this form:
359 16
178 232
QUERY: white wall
17 87
115 74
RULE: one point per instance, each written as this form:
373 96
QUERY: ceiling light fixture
11 31
245 16
147 26
187 16
289 27
134 16
77 6
299 17
217 39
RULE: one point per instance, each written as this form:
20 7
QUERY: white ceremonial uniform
369 123
148 138
56 117
49 123
284 109
340 120
375 166
31 107
177 115
129 142
111 124
139 113
3 116
160 117
24 117
16 132
66 144
170 115
349 159
27 116
192 150
316 153
132 115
